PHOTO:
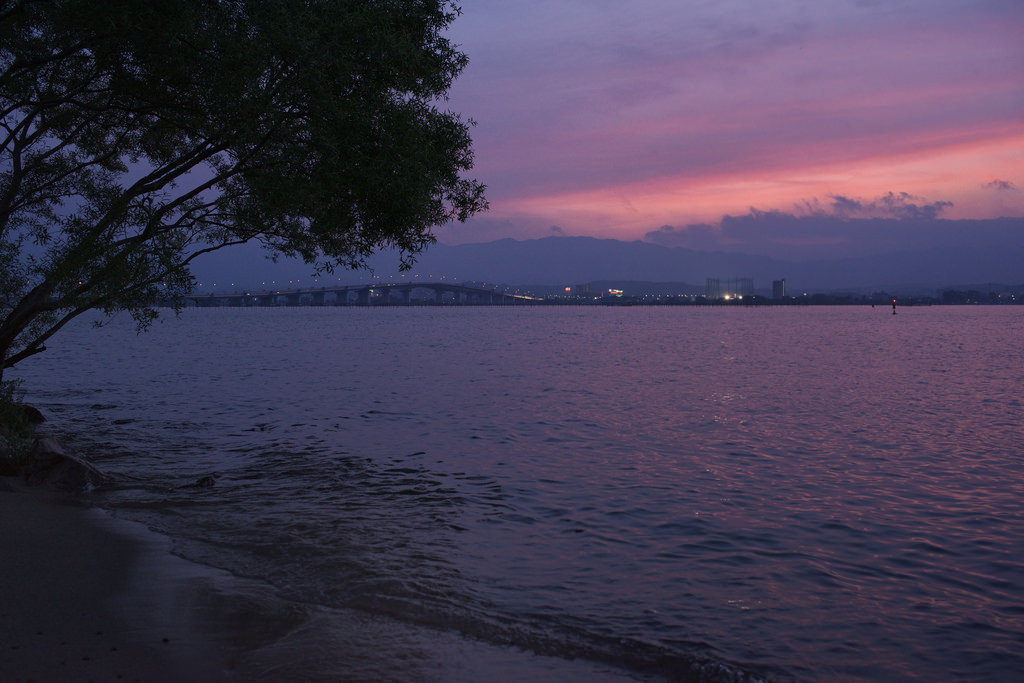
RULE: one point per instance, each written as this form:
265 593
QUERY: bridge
380 294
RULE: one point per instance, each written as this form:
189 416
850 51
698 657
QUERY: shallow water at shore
818 494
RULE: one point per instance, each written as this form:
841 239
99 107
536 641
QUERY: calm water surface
812 494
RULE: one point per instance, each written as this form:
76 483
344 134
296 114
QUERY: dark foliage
138 135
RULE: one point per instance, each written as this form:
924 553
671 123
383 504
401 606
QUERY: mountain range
568 261
573 260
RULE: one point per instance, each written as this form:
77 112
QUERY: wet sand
86 597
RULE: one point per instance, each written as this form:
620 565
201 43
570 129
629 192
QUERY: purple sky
616 119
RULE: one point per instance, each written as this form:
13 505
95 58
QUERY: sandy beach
86 597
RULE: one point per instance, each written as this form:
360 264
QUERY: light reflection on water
819 493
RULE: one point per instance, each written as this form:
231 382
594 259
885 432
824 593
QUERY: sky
672 120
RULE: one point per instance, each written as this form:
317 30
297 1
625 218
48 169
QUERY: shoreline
86 596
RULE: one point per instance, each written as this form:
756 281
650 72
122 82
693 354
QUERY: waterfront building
717 288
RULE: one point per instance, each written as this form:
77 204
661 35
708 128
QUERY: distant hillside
567 261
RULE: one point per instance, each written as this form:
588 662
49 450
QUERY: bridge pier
208 301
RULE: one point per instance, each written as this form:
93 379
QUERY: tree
138 135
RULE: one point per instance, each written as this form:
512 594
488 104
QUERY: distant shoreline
214 301
388 293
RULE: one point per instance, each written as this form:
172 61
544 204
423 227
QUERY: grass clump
17 429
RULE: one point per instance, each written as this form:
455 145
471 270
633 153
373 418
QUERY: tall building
779 289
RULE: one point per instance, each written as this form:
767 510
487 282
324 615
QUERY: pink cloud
585 109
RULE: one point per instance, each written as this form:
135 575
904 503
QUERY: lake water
642 493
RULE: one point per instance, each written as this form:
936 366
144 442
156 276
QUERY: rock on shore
50 466
47 464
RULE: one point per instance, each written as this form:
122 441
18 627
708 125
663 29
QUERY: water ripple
818 494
